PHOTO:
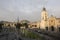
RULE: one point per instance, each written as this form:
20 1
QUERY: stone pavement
7 36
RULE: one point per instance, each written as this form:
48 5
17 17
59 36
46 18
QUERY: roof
57 18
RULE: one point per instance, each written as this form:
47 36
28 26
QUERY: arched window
35 25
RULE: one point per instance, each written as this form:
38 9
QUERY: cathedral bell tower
44 18
44 15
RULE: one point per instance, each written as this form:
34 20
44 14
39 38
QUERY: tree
26 25
1 26
18 25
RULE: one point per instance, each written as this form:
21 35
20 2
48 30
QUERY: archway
59 29
46 28
35 25
52 28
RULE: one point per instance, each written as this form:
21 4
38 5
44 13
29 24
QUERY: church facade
47 23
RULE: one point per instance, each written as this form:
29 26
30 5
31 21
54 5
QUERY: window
51 20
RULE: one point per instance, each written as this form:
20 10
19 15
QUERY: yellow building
8 24
33 25
47 23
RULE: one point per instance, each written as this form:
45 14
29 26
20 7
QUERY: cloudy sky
27 9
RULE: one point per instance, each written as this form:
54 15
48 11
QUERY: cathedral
47 23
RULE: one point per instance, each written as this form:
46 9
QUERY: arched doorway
46 28
52 28
59 29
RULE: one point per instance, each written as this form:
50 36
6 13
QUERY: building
34 25
47 23
8 24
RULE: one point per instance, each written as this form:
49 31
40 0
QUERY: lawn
31 35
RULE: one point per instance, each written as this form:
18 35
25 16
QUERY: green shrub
31 35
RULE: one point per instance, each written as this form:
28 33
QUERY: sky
30 10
